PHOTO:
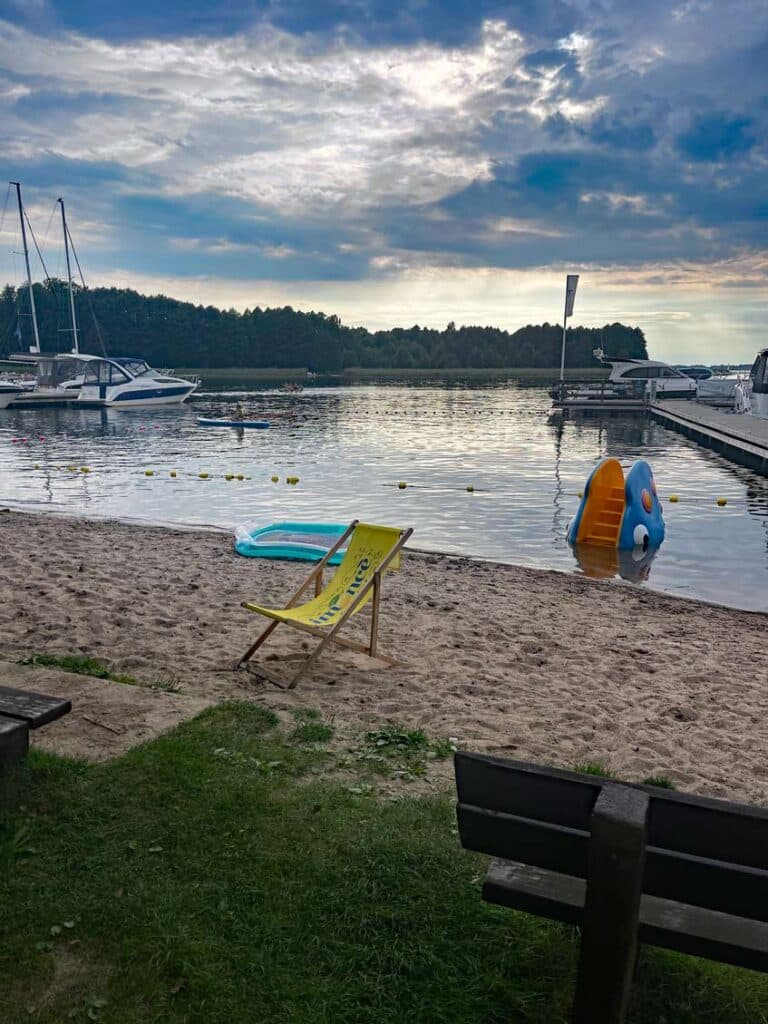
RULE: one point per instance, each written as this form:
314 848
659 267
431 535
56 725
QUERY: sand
107 718
530 664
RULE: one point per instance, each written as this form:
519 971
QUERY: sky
404 163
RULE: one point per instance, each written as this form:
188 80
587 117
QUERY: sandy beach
530 664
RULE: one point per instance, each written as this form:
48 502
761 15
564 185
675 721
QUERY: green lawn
213 876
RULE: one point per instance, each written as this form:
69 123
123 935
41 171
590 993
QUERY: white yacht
758 380
637 374
126 382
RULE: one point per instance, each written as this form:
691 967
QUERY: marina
741 438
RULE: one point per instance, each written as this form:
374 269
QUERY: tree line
168 332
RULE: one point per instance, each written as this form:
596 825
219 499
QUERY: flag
571 282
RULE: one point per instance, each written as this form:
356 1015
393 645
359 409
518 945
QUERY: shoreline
527 663
229 531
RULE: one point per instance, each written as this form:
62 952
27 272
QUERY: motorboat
55 379
630 383
129 381
648 375
720 390
9 392
74 376
758 381
697 372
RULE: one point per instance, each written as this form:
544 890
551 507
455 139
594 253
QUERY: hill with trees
167 332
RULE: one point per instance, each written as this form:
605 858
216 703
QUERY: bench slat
716 885
668 923
690 824
14 740
35 709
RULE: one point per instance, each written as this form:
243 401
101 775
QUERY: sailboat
123 381
57 377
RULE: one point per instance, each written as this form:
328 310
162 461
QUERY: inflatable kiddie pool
302 541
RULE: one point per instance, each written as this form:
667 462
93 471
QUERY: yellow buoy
470 488
203 476
674 497
72 469
84 469
402 485
149 472
173 472
581 494
229 476
275 479
37 465
722 501
240 476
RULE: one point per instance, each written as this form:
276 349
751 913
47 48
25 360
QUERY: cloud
362 141
717 136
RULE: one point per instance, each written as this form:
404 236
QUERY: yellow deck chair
371 551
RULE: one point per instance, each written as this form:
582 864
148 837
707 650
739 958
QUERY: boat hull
131 399
8 395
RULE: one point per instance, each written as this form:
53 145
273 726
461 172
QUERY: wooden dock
743 439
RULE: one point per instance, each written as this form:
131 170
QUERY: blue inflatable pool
303 541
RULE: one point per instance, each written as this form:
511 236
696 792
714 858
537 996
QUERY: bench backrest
704 852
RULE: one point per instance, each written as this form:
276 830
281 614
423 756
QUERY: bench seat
35 709
679 926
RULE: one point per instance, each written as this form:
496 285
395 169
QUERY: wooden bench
21 711
628 863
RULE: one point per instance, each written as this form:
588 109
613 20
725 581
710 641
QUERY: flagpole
571 284
562 351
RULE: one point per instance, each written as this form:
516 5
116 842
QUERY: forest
170 333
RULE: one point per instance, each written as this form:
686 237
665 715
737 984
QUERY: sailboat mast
72 314
29 272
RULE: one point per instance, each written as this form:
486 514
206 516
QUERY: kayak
305 541
251 424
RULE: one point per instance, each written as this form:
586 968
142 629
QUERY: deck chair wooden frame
330 636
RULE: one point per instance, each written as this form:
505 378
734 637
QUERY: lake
350 447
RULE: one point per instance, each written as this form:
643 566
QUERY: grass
82 665
214 875
660 781
79 664
310 728
596 768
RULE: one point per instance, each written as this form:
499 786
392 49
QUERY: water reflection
602 563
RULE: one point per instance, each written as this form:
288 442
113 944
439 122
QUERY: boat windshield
136 367
103 372
648 373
